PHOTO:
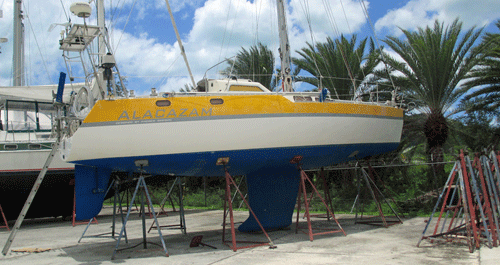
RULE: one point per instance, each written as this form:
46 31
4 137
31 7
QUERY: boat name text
161 113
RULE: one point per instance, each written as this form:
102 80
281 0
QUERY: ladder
58 104
27 205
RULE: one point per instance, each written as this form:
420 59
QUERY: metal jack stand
182 220
302 190
160 212
230 181
4 219
477 205
117 200
326 193
141 183
376 194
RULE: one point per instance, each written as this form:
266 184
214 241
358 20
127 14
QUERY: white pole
180 43
18 46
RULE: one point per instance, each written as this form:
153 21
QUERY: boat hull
187 137
19 170
258 134
54 197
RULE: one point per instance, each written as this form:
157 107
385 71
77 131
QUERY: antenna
81 9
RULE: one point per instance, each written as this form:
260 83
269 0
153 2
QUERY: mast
101 24
284 49
180 43
18 46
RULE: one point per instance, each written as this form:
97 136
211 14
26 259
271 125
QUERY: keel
272 195
90 188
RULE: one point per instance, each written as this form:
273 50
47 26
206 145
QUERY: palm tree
435 60
256 64
338 65
486 77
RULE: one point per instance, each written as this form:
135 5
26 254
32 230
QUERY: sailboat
256 131
26 139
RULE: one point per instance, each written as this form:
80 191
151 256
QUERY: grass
215 201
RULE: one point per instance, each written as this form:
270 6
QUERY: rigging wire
333 22
164 77
357 55
307 13
365 11
224 33
126 23
231 31
64 9
9 27
37 45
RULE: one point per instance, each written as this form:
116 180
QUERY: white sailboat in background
26 139
185 134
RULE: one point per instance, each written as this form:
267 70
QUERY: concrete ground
364 244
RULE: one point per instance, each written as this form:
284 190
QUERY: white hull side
30 160
227 134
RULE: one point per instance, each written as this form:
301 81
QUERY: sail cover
39 93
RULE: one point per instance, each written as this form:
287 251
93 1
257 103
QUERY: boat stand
326 193
476 203
236 193
303 192
377 195
117 201
169 198
182 220
4 219
228 203
160 212
141 184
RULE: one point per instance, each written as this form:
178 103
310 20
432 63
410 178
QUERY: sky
146 48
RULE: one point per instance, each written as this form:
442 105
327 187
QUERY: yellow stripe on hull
198 106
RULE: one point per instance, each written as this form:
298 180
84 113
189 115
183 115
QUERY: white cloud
217 29
421 13
220 28
330 18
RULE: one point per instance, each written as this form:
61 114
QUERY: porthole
163 103
216 101
35 146
10 147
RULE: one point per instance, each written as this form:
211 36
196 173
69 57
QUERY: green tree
486 77
256 64
340 65
435 60
476 131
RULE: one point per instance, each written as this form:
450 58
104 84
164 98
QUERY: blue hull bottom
272 196
91 184
272 181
